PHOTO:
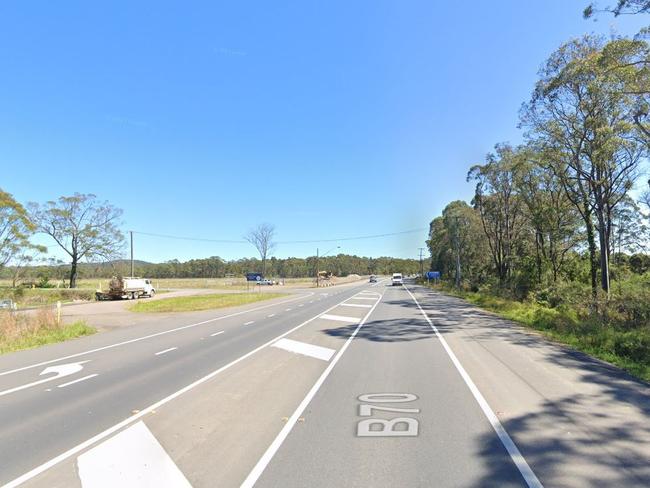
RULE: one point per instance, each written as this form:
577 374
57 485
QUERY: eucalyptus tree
15 230
500 208
85 228
578 114
553 219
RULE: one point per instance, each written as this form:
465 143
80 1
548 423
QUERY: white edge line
63 385
137 339
102 435
263 462
529 476
217 333
166 350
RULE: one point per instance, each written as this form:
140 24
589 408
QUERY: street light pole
317 270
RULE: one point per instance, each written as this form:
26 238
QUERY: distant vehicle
126 288
7 304
266 282
397 279
373 279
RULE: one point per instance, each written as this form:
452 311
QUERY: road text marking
263 462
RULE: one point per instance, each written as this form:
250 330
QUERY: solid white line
137 339
249 323
340 318
516 456
358 305
111 430
261 465
217 333
166 350
318 352
63 385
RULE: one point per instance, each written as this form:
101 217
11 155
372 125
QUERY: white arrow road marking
61 370
132 458
305 349
340 318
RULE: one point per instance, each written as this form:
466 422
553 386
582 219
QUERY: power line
309 241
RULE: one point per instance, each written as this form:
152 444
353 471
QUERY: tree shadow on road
561 453
386 330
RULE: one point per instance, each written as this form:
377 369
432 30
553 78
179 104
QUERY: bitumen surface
358 385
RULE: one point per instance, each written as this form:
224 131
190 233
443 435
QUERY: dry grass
202 302
20 330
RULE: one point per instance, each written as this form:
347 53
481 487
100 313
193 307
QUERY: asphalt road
358 385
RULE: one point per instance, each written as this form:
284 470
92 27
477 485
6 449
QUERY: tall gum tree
85 228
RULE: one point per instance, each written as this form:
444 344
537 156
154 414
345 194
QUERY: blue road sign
433 275
253 276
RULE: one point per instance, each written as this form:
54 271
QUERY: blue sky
327 119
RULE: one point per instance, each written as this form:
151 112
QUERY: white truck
126 288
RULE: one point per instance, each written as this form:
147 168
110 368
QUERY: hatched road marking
318 352
132 458
340 318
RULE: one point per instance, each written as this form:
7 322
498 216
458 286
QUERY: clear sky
327 119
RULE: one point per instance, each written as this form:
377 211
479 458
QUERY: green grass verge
202 302
44 335
628 349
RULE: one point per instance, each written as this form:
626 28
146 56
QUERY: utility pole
421 267
132 272
317 273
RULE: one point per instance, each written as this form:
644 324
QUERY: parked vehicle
266 282
126 288
8 304
397 279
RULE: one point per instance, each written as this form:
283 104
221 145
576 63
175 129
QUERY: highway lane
125 370
393 412
482 402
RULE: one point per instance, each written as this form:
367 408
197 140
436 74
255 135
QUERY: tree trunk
593 261
73 273
604 256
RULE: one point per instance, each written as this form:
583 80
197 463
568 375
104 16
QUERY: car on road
397 279
373 279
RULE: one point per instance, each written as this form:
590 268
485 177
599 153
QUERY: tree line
560 206
216 267
88 231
